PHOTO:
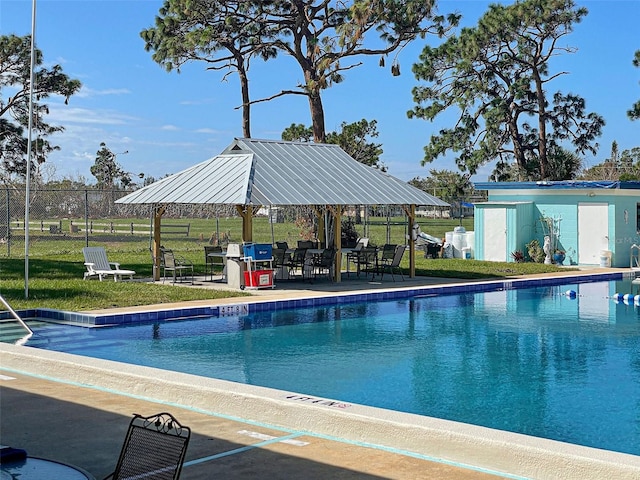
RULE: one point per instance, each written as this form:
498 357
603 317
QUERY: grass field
69 245
56 265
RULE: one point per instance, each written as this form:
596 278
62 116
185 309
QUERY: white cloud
86 92
64 115
209 131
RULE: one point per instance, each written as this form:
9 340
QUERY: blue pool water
532 361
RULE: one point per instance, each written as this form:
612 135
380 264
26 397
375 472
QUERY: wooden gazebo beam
158 212
410 210
336 212
246 212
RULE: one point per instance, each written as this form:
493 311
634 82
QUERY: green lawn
56 269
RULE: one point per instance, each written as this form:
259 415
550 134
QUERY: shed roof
272 172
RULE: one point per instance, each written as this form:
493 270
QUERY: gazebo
252 173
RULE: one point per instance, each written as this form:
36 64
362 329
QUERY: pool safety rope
570 294
627 298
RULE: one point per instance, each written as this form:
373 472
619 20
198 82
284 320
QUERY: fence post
8 213
86 217
131 228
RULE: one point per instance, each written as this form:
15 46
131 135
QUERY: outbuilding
590 222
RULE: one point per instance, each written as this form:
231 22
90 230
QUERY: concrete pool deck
76 410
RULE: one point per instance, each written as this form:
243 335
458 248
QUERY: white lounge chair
95 259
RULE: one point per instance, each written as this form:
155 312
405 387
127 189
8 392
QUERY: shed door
593 232
495 234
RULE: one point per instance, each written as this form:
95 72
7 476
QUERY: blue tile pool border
97 320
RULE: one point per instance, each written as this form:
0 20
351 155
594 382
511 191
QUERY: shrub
517 256
535 252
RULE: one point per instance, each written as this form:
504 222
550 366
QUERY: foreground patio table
33 468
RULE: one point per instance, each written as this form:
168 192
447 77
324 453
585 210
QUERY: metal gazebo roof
272 172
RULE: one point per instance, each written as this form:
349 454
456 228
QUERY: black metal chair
353 254
280 257
390 264
297 261
154 449
281 261
366 260
306 244
388 251
175 265
325 263
213 263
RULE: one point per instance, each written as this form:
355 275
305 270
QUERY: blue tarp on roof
559 185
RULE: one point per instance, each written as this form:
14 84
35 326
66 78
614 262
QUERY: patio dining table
34 468
369 257
312 254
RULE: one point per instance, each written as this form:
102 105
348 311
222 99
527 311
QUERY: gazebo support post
246 212
320 213
336 213
158 212
337 243
410 210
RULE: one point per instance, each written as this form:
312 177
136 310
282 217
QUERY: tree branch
282 93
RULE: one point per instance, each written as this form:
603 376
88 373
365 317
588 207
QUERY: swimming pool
532 361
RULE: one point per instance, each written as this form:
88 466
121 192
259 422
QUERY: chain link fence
63 221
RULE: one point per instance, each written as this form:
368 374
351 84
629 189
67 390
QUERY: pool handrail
635 257
17 317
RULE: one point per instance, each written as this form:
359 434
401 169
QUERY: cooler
258 278
258 251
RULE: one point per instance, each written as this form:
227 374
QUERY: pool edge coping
465 445
159 312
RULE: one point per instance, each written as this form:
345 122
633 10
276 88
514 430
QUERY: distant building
591 221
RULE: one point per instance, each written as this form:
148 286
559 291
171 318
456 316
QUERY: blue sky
170 121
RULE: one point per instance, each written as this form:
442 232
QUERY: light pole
27 186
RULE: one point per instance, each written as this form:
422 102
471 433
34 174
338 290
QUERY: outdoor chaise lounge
429 244
95 259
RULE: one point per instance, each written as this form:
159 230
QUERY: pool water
532 361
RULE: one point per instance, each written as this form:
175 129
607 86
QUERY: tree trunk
317 117
246 103
542 127
518 152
